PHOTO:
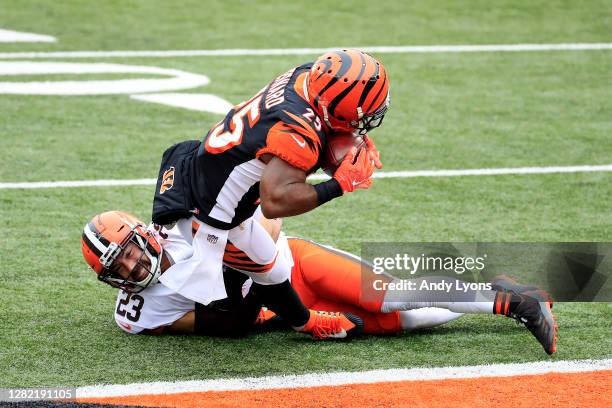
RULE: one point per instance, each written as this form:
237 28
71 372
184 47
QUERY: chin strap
305 86
325 116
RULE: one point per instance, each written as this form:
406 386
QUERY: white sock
470 301
426 317
457 307
466 307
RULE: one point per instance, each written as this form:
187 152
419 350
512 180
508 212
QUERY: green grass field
449 111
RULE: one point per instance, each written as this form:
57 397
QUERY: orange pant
330 280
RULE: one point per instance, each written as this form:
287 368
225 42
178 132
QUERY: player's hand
373 152
355 171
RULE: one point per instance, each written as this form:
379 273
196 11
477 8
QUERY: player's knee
314 269
278 273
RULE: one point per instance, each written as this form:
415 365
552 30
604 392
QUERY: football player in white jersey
325 278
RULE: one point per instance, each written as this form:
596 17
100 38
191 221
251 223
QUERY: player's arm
221 318
284 191
273 226
184 325
213 322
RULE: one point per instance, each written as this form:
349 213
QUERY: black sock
283 300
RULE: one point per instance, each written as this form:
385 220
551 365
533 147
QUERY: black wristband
328 190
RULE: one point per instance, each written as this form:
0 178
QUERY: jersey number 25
220 140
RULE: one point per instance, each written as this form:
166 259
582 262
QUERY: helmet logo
167 180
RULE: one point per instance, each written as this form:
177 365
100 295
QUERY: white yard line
78 183
10 36
379 174
169 80
344 378
400 49
484 172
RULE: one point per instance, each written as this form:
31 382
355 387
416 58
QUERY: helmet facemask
369 122
148 261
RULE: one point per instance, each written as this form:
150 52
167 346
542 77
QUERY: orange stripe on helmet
359 66
333 68
380 95
346 85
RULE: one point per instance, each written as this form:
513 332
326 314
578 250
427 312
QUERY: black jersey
226 170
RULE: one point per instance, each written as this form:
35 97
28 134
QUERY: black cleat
533 310
505 283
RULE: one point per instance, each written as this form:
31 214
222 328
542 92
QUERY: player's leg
252 251
532 308
426 317
393 322
328 279
333 275
341 277
468 301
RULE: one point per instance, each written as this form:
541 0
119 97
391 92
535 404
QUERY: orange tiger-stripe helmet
349 89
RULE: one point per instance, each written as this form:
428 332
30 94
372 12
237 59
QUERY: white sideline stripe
344 378
81 183
192 101
380 174
482 172
400 49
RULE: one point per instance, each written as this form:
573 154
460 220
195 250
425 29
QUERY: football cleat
505 283
333 325
533 310
264 316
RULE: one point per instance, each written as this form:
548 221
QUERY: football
338 145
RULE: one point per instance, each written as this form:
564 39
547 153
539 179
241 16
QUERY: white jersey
152 308
158 305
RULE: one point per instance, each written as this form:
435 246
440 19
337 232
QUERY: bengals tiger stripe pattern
346 86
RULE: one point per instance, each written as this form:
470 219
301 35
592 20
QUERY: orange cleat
264 316
333 325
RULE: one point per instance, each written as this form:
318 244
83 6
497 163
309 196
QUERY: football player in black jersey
260 154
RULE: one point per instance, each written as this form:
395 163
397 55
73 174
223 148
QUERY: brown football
338 145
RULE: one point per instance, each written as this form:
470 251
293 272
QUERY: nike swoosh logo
126 326
302 144
340 335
